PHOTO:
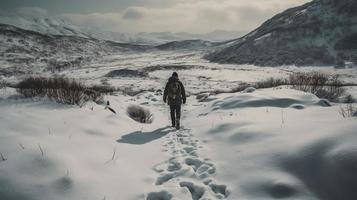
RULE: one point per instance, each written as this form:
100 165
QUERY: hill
322 32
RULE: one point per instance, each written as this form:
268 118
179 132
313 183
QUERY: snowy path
184 171
186 174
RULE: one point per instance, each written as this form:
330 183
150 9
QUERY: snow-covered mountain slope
322 32
214 36
186 44
42 24
23 51
226 150
58 26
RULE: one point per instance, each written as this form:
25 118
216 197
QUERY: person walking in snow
175 96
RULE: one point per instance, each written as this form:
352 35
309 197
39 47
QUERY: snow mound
283 98
298 106
249 90
324 163
205 97
74 153
275 153
48 173
324 103
8 93
126 73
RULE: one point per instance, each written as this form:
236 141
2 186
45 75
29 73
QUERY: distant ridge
322 32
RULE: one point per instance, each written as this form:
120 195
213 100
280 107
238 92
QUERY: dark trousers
175 114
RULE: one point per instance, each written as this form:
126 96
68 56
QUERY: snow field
264 149
55 152
259 144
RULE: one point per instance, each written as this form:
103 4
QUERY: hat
175 74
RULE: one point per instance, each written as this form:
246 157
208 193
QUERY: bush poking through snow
249 90
349 99
201 97
349 110
3 84
271 82
139 114
126 73
58 89
321 85
62 90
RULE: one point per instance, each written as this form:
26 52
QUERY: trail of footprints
186 169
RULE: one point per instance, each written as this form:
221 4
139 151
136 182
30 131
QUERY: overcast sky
196 16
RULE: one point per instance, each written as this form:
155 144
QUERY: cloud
106 21
133 13
188 15
31 11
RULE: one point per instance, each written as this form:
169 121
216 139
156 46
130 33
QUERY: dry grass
3 84
140 114
322 85
62 90
348 110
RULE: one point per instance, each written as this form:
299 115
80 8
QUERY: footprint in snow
186 169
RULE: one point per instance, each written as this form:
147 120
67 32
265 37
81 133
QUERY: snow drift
242 150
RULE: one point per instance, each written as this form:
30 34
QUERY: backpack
174 90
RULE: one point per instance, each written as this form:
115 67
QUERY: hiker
175 95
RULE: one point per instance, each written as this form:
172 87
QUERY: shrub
60 90
202 97
321 85
3 84
349 110
349 99
126 73
140 114
269 83
92 95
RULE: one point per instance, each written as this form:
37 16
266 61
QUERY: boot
177 125
173 124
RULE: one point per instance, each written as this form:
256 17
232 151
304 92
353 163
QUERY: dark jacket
176 101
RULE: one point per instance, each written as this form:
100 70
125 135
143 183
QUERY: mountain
214 36
42 24
58 26
24 50
322 32
186 44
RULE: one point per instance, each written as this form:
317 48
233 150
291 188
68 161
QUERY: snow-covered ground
273 143
197 73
